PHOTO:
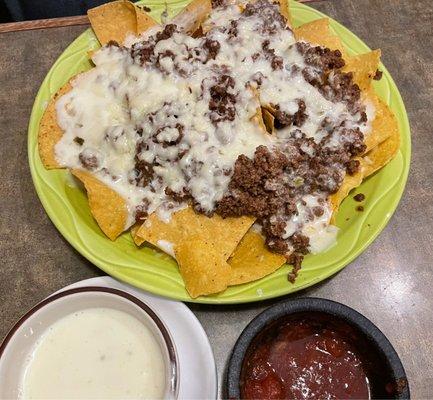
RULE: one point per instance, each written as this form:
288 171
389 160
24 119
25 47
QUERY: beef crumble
222 101
271 19
359 197
212 47
79 140
323 71
284 119
88 160
378 75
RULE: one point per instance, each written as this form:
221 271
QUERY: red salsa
309 357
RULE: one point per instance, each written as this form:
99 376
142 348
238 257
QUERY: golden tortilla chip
383 144
113 21
268 120
203 269
385 151
137 240
193 15
318 32
107 206
363 67
252 260
223 233
383 125
285 12
144 21
258 120
49 130
350 182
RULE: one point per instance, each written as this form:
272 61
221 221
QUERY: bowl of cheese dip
89 343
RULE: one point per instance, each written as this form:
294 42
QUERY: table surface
390 282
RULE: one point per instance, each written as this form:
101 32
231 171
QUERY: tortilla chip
193 15
364 67
144 21
385 151
382 144
384 124
113 21
223 233
49 130
203 270
318 32
350 182
285 12
107 206
137 240
252 260
268 120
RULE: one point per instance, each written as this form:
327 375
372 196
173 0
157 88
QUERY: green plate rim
398 189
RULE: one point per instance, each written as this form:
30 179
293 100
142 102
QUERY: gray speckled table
390 283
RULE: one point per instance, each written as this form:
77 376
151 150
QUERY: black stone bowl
389 378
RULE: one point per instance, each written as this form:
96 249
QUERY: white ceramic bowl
20 341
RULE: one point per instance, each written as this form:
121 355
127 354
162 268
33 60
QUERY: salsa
306 358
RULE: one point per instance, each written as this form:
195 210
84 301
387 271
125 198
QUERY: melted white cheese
108 104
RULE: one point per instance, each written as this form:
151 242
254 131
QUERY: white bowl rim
171 349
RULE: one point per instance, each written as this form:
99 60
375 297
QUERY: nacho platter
150 270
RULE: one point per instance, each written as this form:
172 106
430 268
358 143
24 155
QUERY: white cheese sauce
97 353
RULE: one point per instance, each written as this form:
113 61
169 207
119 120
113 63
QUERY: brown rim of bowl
172 354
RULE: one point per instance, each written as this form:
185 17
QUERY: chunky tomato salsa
311 356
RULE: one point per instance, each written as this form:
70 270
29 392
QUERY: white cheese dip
97 353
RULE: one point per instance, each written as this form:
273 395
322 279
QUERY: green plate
146 268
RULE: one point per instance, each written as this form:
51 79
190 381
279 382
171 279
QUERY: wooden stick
44 23
59 22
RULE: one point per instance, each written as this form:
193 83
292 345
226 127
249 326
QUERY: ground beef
78 140
378 75
112 43
284 119
300 243
212 47
144 51
141 211
353 141
359 197
258 187
222 102
321 58
276 61
340 88
352 167
166 33
143 171
233 30
247 194
88 160
300 116
295 260
218 3
269 14
166 143
177 197
159 57
324 72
